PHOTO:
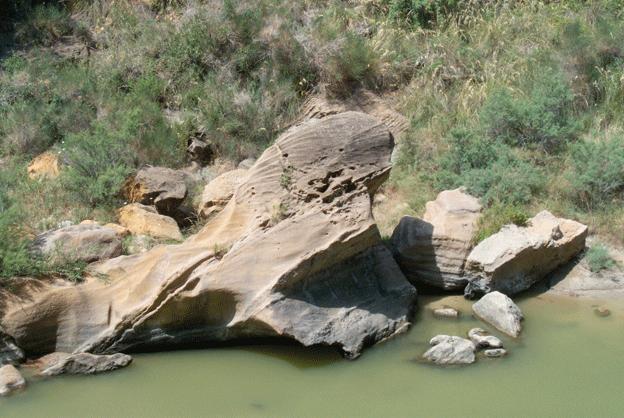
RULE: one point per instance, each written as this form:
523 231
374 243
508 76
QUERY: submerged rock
513 259
499 311
81 363
10 353
84 242
161 187
145 220
450 350
11 380
433 250
295 254
446 312
483 340
495 352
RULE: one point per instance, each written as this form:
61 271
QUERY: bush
421 12
544 119
498 215
490 171
598 258
45 25
596 171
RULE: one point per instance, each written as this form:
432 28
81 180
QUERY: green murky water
568 363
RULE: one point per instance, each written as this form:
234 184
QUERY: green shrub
490 171
45 25
544 119
498 215
598 258
596 171
421 12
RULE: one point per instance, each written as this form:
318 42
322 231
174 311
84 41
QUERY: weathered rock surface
200 151
450 350
433 250
499 311
515 258
219 191
45 165
84 242
318 274
145 220
10 353
81 363
484 340
160 187
11 380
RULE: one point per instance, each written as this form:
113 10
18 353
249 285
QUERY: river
569 362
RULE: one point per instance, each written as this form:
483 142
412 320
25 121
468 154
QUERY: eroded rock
314 271
11 380
81 363
84 242
219 191
449 349
499 311
515 258
433 250
161 187
495 352
145 220
446 312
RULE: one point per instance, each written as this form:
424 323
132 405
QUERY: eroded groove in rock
286 265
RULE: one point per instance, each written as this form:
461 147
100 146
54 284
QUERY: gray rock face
10 353
483 340
433 250
10 380
450 350
82 363
515 258
200 151
499 311
84 242
161 187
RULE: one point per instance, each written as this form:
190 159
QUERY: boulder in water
499 311
81 363
450 350
11 380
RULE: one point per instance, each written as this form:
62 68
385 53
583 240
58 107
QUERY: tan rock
142 219
515 258
11 380
433 250
45 165
320 275
121 231
219 191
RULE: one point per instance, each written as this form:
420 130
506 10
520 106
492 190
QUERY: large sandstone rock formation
513 259
84 242
300 260
433 250
219 191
